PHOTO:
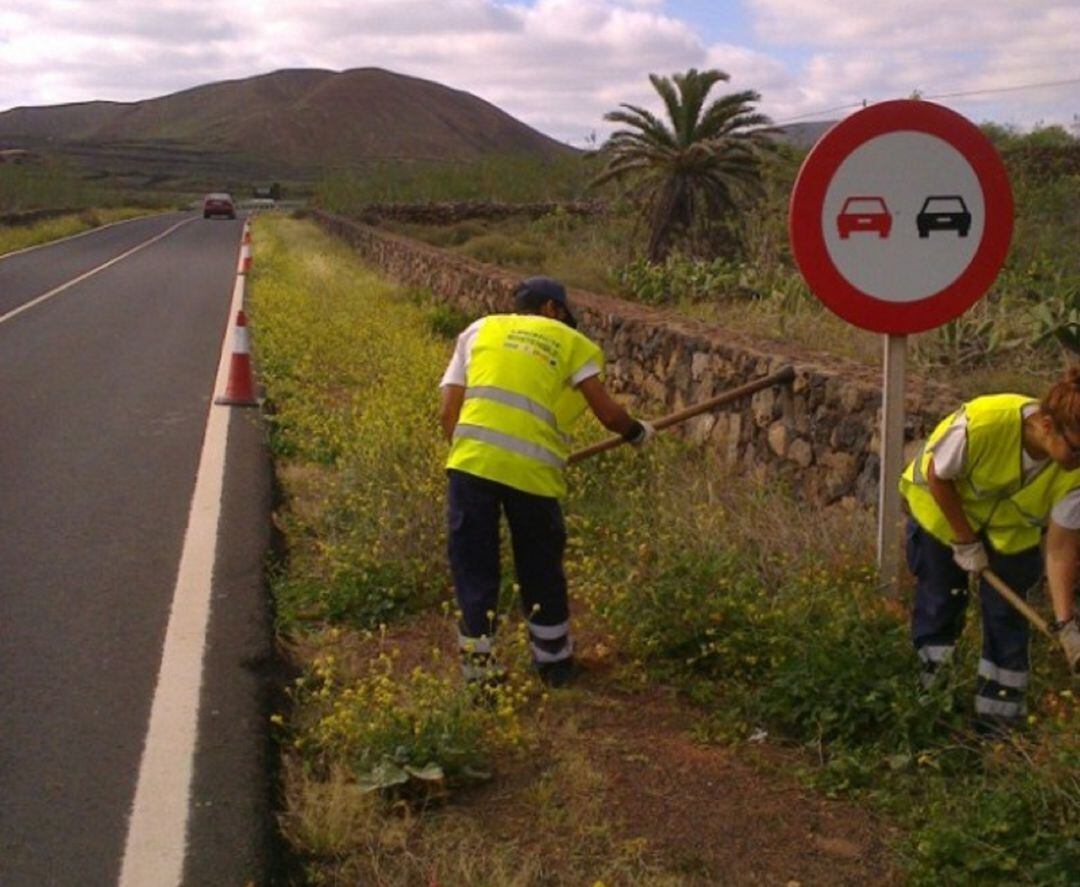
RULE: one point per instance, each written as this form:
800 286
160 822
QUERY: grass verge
760 611
17 237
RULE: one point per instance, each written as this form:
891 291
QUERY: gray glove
1069 638
970 556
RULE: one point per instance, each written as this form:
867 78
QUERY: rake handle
780 377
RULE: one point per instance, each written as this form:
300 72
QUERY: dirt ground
724 815
702 814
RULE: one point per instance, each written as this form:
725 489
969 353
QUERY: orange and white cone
245 258
240 389
247 235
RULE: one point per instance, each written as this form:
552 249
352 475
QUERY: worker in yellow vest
990 480
512 388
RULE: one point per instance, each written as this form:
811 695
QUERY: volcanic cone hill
294 122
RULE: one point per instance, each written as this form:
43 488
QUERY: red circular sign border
808 198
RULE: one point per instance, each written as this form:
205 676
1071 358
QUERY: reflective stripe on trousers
550 643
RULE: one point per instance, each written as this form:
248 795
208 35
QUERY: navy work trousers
538 539
937 619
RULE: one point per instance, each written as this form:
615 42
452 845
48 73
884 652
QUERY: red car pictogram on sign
864 214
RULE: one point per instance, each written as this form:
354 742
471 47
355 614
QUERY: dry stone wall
820 434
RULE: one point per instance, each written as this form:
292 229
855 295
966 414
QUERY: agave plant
693 171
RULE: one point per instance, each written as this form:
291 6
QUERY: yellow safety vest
519 402
992 491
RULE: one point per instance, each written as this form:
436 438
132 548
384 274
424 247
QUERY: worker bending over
989 480
514 385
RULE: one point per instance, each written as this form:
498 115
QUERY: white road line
157 828
37 300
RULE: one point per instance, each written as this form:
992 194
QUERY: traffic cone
240 389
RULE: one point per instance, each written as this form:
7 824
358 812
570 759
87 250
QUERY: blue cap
533 292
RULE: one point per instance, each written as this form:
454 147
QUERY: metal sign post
892 463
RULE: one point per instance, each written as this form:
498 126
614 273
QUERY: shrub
502 250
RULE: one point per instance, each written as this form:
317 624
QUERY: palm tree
692 174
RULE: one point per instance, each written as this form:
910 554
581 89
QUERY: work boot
559 674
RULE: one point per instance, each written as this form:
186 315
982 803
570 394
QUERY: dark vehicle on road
944 213
218 205
864 214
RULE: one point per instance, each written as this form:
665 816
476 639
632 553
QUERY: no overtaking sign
901 217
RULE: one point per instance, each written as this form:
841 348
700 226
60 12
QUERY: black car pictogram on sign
944 213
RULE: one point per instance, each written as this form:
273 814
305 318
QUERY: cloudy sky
560 64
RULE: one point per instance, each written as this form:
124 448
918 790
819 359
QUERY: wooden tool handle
781 377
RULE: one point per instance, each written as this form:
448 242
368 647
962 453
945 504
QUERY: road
110 348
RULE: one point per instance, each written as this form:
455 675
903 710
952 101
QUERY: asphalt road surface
107 375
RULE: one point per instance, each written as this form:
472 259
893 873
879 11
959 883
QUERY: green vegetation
507 179
45 184
29 186
347 375
18 237
760 611
37 185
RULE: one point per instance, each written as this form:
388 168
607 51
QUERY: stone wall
821 434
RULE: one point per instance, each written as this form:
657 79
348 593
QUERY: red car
218 205
864 214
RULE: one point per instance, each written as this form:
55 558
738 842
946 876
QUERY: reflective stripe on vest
513 400
509 442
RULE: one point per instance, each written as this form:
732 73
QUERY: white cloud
559 65
890 48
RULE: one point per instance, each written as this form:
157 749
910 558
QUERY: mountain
294 121
805 135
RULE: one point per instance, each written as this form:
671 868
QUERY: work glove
970 556
1069 638
639 433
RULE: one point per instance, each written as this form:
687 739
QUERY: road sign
901 217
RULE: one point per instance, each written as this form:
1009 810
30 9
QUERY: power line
941 95
953 95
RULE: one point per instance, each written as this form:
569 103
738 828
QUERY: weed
416 735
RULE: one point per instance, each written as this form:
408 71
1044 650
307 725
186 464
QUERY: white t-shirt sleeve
950 452
589 370
457 369
1066 513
